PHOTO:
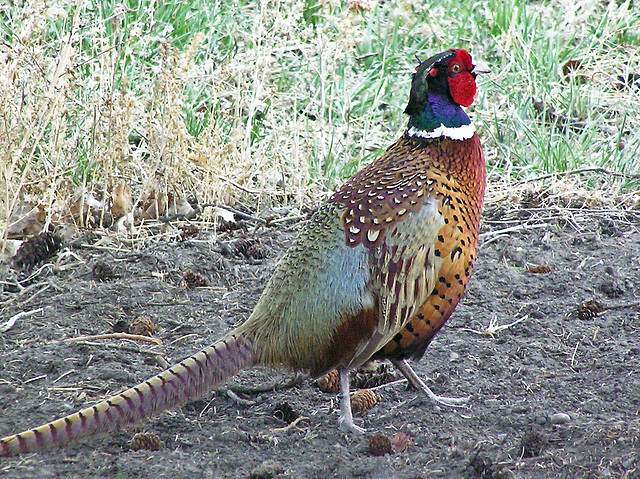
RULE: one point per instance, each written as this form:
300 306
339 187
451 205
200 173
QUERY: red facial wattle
462 88
462 85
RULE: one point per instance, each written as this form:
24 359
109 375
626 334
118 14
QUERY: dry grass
75 124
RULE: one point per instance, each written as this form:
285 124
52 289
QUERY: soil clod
533 443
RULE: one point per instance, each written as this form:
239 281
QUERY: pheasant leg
346 417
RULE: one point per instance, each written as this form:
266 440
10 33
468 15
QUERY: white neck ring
463 132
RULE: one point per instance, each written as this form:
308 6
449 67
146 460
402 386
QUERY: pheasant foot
403 366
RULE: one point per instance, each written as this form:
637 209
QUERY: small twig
494 328
37 378
118 346
287 219
575 350
111 249
207 407
132 337
24 292
179 216
237 213
389 384
239 400
66 388
589 169
291 383
71 371
36 273
512 229
250 190
12 320
290 426
240 187
182 338
633 304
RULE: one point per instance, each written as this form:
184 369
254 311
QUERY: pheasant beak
481 67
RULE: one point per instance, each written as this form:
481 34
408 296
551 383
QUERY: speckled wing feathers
460 193
417 209
392 208
383 194
403 270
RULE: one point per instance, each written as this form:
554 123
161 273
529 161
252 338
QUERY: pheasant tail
185 381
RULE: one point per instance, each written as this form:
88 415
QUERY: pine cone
533 443
540 269
379 445
102 271
329 383
363 400
143 326
192 279
35 249
146 441
590 309
188 231
251 248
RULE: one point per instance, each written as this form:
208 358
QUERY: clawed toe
452 402
420 385
347 425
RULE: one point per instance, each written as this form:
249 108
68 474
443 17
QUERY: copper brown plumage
460 192
374 273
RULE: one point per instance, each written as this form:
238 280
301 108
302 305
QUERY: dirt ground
554 395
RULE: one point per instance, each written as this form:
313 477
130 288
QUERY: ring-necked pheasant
375 272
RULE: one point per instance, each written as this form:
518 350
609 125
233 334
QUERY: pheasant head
441 86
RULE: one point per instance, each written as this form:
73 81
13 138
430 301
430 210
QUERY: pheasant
375 272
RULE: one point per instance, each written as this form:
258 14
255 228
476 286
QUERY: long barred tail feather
185 381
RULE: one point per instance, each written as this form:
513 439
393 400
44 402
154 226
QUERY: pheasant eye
455 68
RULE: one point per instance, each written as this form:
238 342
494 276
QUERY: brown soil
555 395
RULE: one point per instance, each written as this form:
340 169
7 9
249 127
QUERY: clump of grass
276 102
553 119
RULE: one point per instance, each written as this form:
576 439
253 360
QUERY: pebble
606 472
559 418
520 409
